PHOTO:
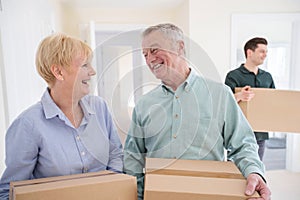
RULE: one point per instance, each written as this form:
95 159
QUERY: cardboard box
91 186
273 110
172 187
203 168
193 179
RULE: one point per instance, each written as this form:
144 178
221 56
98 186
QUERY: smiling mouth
86 82
156 66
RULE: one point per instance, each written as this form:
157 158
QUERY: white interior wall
3 104
210 24
73 17
181 17
293 140
23 24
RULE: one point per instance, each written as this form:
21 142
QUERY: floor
283 183
275 155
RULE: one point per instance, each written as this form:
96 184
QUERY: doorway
122 75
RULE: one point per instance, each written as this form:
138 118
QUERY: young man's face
160 54
258 55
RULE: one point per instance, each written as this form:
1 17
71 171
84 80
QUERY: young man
187 116
250 75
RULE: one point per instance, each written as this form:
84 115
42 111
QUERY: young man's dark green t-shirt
241 77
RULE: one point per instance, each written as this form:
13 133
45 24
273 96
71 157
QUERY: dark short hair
252 44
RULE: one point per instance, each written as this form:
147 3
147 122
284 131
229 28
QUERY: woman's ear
57 72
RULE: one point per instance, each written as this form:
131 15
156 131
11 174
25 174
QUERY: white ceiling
151 4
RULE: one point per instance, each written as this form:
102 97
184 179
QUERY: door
122 74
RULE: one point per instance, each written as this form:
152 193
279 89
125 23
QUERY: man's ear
249 52
181 48
57 72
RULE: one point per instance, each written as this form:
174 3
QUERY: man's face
160 55
259 54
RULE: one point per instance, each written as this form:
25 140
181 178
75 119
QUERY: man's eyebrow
152 45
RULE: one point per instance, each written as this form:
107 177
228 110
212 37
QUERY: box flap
204 168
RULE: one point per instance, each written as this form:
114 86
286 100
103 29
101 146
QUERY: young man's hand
246 94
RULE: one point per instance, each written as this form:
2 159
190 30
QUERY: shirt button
77 137
82 153
176 97
174 136
176 116
85 170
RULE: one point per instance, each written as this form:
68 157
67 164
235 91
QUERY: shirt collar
86 103
191 78
187 84
246 71
51 109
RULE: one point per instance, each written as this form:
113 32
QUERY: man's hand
246 94
256 183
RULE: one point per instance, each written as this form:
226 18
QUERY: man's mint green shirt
197 121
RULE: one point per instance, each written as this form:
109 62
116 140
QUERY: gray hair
170 31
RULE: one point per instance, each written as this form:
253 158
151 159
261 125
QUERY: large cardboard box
273 110
203 168
172 187
91 186
193 179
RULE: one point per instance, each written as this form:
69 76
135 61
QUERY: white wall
74 16
293 140
3 103
210 25
181 16
23 24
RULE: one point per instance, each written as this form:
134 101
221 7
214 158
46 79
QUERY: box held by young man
273 110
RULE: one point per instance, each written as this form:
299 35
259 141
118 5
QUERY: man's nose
149 58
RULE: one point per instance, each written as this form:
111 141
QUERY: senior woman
68 131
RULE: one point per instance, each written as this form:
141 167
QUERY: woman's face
78 76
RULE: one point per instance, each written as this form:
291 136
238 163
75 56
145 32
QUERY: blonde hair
58 49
